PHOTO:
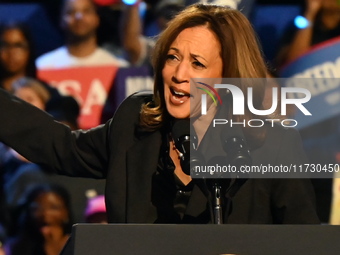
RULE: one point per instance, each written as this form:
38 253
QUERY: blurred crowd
39 208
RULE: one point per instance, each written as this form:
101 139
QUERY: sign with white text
88 85
317 71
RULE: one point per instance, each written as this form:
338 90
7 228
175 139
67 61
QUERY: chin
179 114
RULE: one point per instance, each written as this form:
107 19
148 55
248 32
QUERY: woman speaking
135 150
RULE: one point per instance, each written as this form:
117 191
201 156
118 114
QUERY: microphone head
181 127
183 131
230 132
186 141
235 146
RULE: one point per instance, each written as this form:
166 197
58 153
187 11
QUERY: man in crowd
80 21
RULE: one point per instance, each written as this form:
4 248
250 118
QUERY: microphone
238 154
186 142
235 146
232 138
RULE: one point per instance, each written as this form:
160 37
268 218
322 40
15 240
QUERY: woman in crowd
16 54
135 151
45 222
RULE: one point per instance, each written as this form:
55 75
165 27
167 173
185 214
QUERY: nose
181 74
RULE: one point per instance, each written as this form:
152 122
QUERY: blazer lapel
142 160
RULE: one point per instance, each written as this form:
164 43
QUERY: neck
174 154
82 48
202 123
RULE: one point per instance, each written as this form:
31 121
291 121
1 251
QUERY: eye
171 57
198 64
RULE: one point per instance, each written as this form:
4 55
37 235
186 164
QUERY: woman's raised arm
35 135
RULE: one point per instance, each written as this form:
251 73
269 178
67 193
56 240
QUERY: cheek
22 59
5 55
166 81
166 74
3 59
61 216
19 58
92 20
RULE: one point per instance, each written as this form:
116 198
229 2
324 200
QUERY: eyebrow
192 55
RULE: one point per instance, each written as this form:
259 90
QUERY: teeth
179 93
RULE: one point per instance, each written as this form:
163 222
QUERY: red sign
89 85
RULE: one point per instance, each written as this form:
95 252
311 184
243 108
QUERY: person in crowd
18 174
16 54
323 18
138 46
80 22
64 109
135 150
108 32
45 222
17 57
95 211
31 91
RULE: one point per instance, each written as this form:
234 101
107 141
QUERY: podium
121 239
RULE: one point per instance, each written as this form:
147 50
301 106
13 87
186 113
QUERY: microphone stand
222 192
217 203
216 197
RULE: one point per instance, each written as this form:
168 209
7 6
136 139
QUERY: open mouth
179 96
